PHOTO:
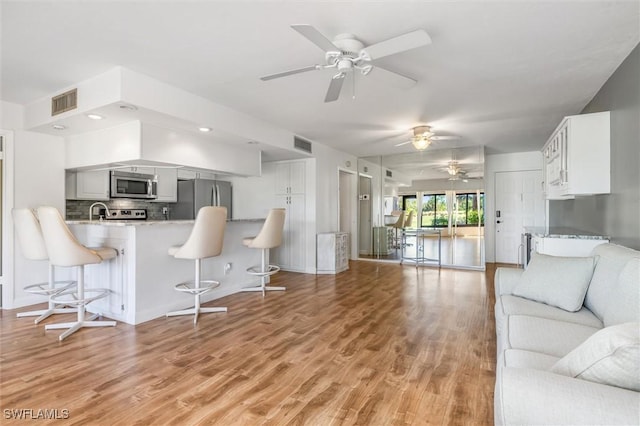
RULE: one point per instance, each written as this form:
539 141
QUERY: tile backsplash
79 209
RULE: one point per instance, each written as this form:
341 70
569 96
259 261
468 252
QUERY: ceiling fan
423 137
347 55
456 173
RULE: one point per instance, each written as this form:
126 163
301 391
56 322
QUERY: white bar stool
65 250
205 240
270 236
33 248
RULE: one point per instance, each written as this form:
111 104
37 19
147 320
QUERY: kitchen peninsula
143 276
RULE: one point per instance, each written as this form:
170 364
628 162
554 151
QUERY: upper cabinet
577 157
91 185
290 177
167 184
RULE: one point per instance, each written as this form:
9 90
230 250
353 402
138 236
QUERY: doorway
519 204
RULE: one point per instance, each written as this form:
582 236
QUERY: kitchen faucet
106 209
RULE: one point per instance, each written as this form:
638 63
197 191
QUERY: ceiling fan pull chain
354 86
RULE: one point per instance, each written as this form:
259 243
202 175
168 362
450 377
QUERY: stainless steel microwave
133 185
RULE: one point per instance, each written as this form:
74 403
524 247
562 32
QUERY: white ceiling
497 74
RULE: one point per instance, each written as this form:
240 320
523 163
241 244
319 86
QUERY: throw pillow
557 281
611 357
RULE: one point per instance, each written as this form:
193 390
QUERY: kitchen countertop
563 232
150 222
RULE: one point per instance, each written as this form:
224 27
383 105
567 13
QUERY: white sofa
532 338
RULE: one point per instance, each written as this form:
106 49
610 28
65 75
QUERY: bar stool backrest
400 222
270 235
29 234
207 235
63 248
407 223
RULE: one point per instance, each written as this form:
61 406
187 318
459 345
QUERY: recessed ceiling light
128 107
204 129
58 126
95 116
252 143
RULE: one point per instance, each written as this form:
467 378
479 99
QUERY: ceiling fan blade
392 78
316 37
291 72
445 138
402 143
398 44
334 87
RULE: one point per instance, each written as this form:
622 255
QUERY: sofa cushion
556 280
544 335
611 259
611 357
624 299
525 396
514 305
517 358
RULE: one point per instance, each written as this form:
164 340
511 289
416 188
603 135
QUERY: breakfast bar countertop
149 222
563 232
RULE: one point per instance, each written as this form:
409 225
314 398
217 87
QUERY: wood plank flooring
380 344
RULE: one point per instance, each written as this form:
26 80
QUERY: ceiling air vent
389 174
64 102
302 144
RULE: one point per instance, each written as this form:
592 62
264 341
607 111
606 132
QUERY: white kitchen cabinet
290 195
91 185
577 157
572 247
290 177
188 174
167 185
332 252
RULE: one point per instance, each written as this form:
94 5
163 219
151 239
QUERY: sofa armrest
505 280
526 396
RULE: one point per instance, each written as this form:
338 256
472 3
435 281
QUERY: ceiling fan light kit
420 142
346 54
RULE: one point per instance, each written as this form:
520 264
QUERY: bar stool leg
81 320
197 291
52 309
265 271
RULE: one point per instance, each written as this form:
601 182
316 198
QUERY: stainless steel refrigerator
197 193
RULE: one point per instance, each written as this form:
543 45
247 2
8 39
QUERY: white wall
34 165
520 161
328 163
172 147
111 145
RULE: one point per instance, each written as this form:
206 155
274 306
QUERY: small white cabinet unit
332 252
554 246
167 185
577 157
91 185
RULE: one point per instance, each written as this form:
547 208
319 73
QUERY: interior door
519 204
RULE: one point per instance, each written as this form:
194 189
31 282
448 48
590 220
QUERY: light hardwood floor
380 344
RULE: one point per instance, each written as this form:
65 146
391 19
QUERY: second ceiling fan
346 55
423 137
